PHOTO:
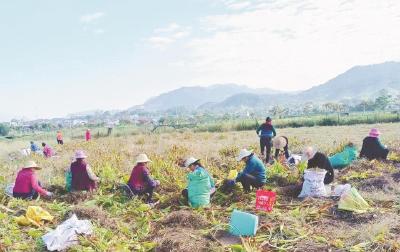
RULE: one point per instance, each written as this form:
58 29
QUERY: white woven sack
313 185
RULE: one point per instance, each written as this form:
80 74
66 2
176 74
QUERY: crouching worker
253 174
281 143
372 148
82 176
200 186
319 160
140 181
26 185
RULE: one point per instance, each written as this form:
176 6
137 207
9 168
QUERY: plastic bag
313 185
265 200
352 201
66 234
34 215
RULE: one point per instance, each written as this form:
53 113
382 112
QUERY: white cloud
99 31
160 42
92 17
169 34
294 44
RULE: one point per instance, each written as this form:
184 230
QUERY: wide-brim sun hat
308 153
279 142
142 158
374 132
244 153
190 161
80 154
32 164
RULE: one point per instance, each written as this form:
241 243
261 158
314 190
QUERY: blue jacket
267 130
255 167
34 148
199 185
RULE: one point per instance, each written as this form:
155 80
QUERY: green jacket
199 186
344 158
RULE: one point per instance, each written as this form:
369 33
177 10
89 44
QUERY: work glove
49 194
157 182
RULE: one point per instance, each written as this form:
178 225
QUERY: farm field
121 224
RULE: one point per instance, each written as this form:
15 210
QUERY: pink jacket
26 181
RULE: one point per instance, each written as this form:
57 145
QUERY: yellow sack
232 174
34 215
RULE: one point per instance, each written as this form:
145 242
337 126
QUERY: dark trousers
60 142
266 143
185 194
31 195
248 181
147 190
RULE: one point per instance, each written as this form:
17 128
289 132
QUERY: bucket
265 200
243 224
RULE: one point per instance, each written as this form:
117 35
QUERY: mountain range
358 83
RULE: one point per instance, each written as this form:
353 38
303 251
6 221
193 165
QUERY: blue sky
60 57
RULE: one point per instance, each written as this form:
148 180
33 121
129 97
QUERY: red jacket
80 178
140 178
26 182
88 135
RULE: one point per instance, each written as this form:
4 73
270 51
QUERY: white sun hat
308 153
190 161
279 142
244 153
32 164
142 158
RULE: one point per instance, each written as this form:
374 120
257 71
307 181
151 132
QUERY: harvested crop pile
95 214
182 231
75 197
378 183
351 217
184 218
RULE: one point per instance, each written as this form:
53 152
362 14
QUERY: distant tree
278 111
4 130
383 100
307 108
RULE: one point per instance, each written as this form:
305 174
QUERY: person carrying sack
200 186
27 185
266 132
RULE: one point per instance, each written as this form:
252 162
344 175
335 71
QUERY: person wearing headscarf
281 143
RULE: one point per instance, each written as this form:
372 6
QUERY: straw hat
32 164
244 153
308 153
142 158
190 161
374 132
279 142
80 154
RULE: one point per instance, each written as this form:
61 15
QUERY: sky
66 56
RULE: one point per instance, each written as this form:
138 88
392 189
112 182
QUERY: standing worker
59 138
88 135
266 132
